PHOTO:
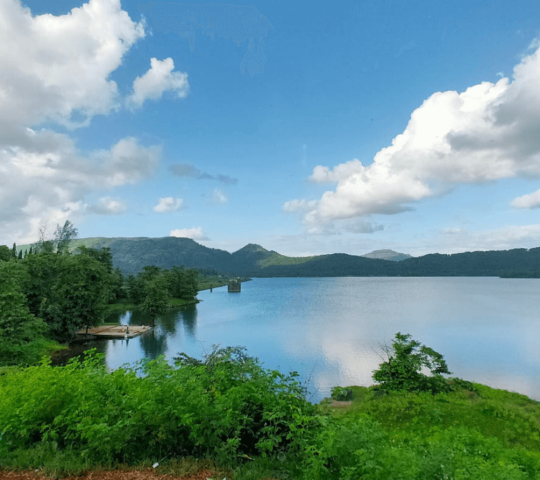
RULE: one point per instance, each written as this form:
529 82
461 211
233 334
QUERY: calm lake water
330 330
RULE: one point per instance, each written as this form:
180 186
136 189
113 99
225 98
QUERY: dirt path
115 475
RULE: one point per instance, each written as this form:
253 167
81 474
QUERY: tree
135 289
18 327
43 270
183 283
156 300
406 359
78 297
5 253
14 250
117 284
43 245
64 236
102 255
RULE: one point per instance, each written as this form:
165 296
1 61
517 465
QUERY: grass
123 304
480 433
510 417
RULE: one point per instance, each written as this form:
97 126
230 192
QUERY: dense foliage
403 368
153 288
49 293
225 407
228 408
21 333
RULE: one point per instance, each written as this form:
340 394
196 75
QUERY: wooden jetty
115 331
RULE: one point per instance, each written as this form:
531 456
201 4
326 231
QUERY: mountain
132 254
387 255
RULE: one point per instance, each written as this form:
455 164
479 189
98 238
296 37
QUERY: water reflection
153 343
330 330
189 319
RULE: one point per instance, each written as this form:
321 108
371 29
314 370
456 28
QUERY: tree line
48 293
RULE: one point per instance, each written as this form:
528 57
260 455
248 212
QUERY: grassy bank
208 282
124 305
256 424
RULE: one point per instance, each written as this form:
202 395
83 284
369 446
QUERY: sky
308 128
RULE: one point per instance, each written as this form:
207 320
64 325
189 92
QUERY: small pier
115 331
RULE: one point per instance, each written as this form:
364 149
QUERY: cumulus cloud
195 233
531 200
156 81
48 185
109 206
189 170
56 69
488 132
168 204
56 66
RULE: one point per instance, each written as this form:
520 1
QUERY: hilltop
387 255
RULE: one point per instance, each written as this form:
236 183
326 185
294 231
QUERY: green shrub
341 394
402 370
226 408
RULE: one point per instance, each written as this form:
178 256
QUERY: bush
402 370
341 394
226 408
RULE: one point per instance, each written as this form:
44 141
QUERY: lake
330 330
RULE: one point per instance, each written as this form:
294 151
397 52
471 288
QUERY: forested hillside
131 255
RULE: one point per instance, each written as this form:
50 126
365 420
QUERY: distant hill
132 254
387 255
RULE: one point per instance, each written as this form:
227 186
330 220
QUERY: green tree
42 269
5 253
14 250
135 289
102 255
18 327
43 245
117 284
79 295
156 300
406 359
20 255
183 283
63 236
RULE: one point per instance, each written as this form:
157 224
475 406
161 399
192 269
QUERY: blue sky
279 135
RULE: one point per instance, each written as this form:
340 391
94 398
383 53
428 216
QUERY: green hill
132 254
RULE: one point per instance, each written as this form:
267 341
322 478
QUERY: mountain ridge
131 254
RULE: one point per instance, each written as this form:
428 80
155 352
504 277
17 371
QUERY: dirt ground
148 474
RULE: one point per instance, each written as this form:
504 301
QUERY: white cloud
56 69
109 206
156 81
195 233
168 204
55 66
218 197
48 185
531 200
486 133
